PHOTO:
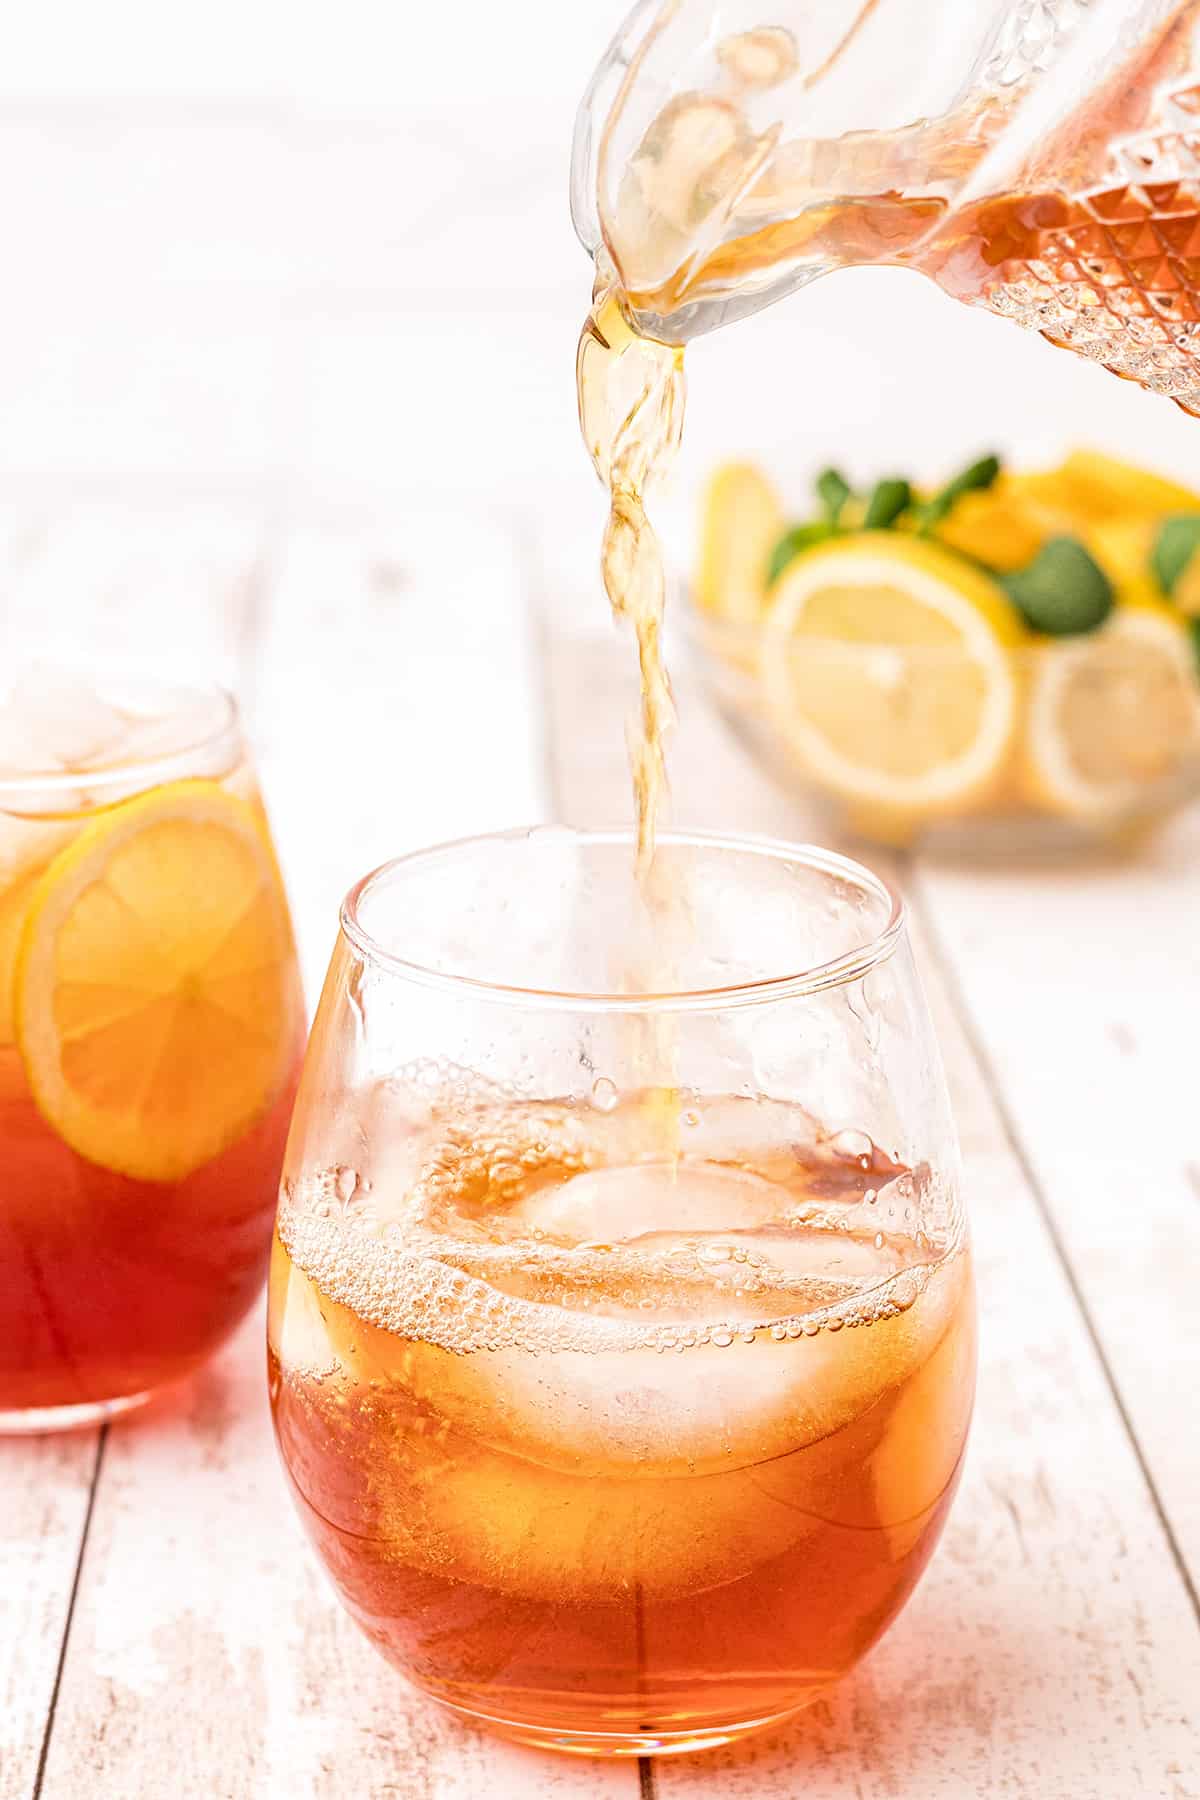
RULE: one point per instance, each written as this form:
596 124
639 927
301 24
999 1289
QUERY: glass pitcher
1037 157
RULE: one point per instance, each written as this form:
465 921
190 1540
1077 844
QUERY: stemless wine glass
151 1027
621 1318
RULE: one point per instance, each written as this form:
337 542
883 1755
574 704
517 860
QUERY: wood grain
1051 1650
398 701
1052 1647
1082 982
45 1489
208 1656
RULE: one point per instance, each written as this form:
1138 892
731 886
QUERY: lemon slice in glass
887 668
1113 715
156 1004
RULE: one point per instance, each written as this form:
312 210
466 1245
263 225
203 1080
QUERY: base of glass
624 1743
33 1421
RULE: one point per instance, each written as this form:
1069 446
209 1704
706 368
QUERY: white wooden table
163 1629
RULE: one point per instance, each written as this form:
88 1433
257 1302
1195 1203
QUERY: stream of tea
631 394
709 212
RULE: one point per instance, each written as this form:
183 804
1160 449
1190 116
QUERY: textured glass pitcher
1037 157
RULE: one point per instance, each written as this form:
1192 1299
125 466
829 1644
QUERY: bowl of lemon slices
1013 656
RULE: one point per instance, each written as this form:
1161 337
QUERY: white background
285 266
317 251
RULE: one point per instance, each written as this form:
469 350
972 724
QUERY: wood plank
1082 981
45 1492
45 1483
396 704
208 1655
1053 1637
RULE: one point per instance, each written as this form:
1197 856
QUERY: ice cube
52 720
759 59
181 723
690 140
737 1129
544 1534
721 1404
615 1205
878 1453
298 1328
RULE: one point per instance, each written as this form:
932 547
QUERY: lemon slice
742 521
26 847
886 668
1112 716
156 1003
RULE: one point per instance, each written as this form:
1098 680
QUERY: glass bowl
1096 740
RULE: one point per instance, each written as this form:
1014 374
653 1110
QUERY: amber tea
624 1419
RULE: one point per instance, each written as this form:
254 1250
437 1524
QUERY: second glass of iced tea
622 1343
151 1027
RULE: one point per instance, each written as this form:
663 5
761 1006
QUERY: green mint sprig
885 506
833 491
976 477
1175 544
1061 592
789 546
1171 556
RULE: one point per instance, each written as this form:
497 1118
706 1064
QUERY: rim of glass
837 971
147 770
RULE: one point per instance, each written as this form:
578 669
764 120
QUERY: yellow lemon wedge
741 522
1003 527
1113 715
1122 547
886 668
156 1005
1092 488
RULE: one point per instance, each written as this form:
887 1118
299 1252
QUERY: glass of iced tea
622 1340
151 1030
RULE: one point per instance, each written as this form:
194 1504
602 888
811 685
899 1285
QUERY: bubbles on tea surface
904 1291
604 1094
504 1223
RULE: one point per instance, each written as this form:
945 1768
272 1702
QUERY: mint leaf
889 498
975 477
1062 592
1174 546
789 546
833 491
